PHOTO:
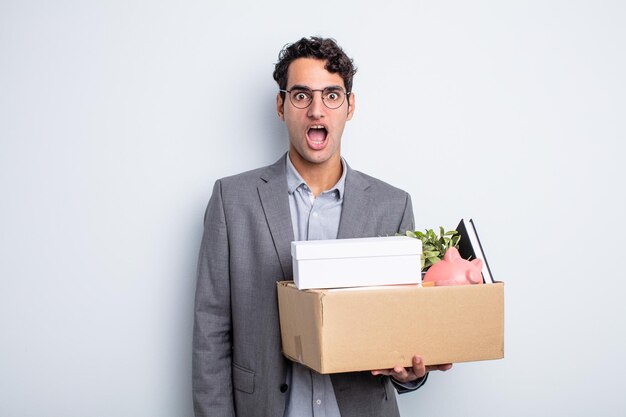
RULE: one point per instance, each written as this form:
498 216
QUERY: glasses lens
301 98
333 98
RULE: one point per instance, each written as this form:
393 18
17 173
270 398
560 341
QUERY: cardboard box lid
356 248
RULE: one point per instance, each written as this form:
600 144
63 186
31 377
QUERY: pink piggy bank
454 270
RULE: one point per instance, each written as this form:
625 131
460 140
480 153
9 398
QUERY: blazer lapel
273 195
356 203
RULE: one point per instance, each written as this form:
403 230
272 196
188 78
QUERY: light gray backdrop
116 117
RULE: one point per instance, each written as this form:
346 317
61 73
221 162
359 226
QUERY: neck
319 177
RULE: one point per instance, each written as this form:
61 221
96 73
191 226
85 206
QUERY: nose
316 108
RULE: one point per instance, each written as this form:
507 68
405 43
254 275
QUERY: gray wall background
117 117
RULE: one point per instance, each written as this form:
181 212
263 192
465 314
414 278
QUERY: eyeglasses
301 98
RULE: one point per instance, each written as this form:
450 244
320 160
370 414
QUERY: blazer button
284 388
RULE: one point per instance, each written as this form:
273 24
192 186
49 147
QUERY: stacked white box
340 263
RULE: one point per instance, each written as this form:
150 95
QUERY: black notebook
470 247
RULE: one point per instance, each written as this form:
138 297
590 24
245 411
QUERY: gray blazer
238 368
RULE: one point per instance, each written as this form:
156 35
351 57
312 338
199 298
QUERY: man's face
314 132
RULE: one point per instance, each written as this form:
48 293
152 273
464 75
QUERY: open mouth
316 136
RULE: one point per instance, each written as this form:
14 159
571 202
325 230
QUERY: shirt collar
294 179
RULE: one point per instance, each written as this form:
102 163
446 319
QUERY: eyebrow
305 87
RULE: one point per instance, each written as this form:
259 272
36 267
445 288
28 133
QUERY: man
251 219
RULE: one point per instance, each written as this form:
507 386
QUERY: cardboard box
356 329
339 263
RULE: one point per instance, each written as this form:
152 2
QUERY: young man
251 219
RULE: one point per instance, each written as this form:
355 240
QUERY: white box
340 263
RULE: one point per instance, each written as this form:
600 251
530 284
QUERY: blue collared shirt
313 218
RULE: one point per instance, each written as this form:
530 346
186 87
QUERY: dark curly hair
337 62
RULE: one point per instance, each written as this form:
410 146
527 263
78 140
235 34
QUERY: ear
280 106
451 254
475 275
351 100
478 263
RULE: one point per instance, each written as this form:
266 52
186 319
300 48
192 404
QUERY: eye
301 96
332 96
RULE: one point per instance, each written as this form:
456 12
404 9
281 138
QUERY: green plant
434 246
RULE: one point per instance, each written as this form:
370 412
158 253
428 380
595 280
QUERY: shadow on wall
272 138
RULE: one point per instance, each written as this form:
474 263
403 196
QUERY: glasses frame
346 95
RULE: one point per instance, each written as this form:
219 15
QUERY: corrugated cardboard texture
301 325
381 327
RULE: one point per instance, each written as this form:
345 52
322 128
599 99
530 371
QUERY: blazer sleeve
407 222
212 344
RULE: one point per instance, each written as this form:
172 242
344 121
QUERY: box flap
356 248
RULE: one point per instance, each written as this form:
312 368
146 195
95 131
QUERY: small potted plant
441 251
434 246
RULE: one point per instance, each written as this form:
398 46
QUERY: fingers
443 367
417 370
398 373
387 372
418 366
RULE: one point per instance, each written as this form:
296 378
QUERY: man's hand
418 370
